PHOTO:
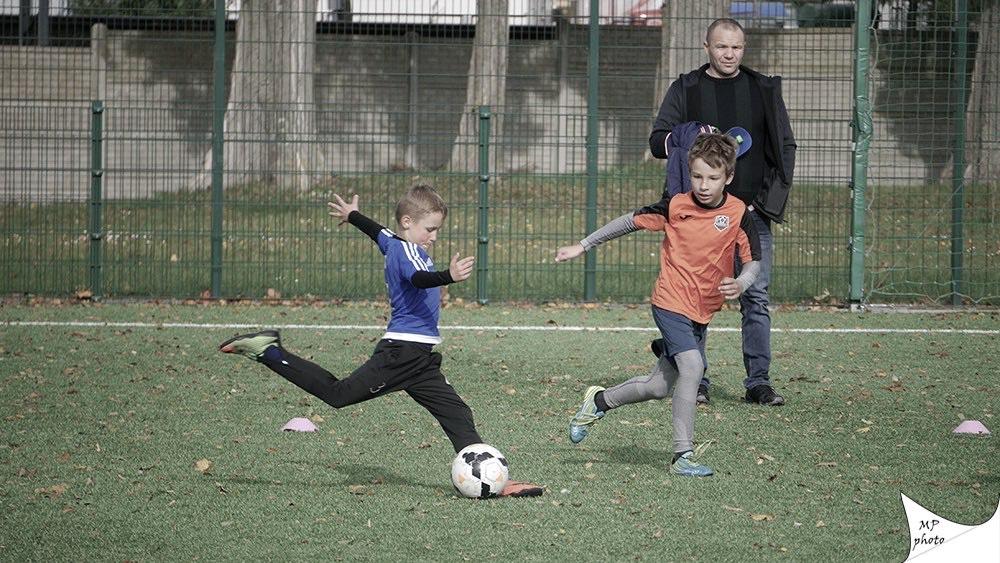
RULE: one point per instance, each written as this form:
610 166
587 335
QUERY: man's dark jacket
779 151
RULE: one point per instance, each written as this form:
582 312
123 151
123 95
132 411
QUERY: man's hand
341 209
569 252
460 270
730 288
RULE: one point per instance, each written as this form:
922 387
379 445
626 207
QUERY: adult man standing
726 94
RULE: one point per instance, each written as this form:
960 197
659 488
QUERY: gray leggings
661 381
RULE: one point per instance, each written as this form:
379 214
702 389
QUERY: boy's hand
460 270
569 252
341 208
730 288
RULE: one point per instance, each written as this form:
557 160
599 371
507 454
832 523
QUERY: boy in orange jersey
703 230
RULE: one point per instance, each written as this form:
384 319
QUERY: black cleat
703 395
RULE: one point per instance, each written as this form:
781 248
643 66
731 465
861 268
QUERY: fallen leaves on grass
761 458
203 466
361 490
895 386
55 491
762 517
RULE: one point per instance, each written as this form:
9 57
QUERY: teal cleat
251 345
687 467
587 415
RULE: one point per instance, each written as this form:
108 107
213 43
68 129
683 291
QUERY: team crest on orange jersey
721 222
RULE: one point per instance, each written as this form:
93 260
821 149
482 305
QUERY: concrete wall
157 88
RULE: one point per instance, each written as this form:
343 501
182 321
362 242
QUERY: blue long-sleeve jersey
409 271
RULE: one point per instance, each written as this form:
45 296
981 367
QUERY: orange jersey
698 250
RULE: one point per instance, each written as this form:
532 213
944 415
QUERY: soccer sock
599 401
684 405
656 385
273 353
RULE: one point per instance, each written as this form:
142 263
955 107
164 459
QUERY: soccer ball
479 471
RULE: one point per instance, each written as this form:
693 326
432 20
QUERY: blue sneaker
689 468
587 415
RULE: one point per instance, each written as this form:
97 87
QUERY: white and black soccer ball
479 471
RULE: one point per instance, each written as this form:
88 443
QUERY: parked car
780 15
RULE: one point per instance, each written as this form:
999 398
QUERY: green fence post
593 75
96 195
861 124
218 120
961 46
483 239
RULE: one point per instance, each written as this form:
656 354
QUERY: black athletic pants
395 365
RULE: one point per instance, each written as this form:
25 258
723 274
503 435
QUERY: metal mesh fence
933 193
221 131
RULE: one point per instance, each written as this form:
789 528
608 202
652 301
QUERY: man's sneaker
687 467
251 345
657 347
587 415
703 395
764 395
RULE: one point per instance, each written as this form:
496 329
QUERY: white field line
528 328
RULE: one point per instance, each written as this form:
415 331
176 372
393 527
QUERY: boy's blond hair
418 201
716 149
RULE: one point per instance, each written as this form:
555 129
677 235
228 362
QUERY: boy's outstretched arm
731 288
570 252
613 229
349 213
459 270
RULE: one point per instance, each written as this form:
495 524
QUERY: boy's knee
690 364
659 389
336 402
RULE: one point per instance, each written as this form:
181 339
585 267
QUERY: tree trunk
270 124
487 82
682 37
689 19
982 119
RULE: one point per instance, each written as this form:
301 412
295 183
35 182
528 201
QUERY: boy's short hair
418 201
716 149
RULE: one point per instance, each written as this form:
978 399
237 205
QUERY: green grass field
104 425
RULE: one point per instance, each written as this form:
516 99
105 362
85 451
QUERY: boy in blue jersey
404 359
